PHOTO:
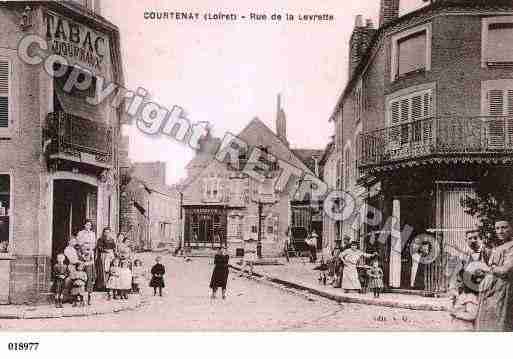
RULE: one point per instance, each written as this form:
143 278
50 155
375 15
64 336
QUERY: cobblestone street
251 305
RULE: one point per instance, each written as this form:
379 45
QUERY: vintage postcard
250 166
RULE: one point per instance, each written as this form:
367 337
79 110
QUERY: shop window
5 212
497 37
411 51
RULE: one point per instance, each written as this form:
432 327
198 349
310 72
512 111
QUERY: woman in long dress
350 258
106 252
87 237
220 273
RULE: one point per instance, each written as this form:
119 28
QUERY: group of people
344 267
106 264
482 288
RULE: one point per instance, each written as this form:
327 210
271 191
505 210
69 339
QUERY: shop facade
58 154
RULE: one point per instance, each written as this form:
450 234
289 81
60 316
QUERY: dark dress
157 279
220 273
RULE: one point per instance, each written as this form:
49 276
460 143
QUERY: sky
227 73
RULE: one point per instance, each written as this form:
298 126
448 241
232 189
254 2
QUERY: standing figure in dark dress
157 276
220 273
106 248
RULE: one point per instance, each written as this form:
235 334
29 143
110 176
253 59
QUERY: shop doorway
73 203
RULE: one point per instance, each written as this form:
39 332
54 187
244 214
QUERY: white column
395 245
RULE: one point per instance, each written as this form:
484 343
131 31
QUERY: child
323 268
375 275
125 279
79 283
157 276
113 281
86 255
138 274
60 272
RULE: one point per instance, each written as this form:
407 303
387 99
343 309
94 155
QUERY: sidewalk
100 305
300 275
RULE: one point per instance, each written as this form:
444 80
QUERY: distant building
150 214
221 204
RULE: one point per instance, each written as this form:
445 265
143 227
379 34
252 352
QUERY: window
405 115
358 102
5 212
497 37
212 189
5 92
254 229
498 104
411 51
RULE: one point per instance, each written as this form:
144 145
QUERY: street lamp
261 200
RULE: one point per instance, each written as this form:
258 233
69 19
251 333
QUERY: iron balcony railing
436 136
79 137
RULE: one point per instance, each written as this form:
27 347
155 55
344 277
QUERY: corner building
58 154
427 112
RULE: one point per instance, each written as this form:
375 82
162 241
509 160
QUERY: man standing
495 308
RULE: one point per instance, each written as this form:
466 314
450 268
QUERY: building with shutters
149 208
58 153
222 205
426 113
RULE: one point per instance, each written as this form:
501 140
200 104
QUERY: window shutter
509 120
496 102
4 93
496 125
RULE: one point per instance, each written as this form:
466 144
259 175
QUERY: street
250 306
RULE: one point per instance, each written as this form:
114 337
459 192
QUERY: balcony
443 139
79 140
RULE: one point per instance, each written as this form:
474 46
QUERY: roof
455 6
307 156
164 189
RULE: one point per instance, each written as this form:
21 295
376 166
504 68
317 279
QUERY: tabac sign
76 42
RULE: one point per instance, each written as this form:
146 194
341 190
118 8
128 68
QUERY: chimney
388 11
359 42
281 122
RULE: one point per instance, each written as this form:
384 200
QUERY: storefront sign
76 42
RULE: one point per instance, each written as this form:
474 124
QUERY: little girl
157 276
125 279
375 275
79 283
60 272
138 274
113 281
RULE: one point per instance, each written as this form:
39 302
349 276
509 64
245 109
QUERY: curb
341 298
45 313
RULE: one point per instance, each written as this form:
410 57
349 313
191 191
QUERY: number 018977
20 346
